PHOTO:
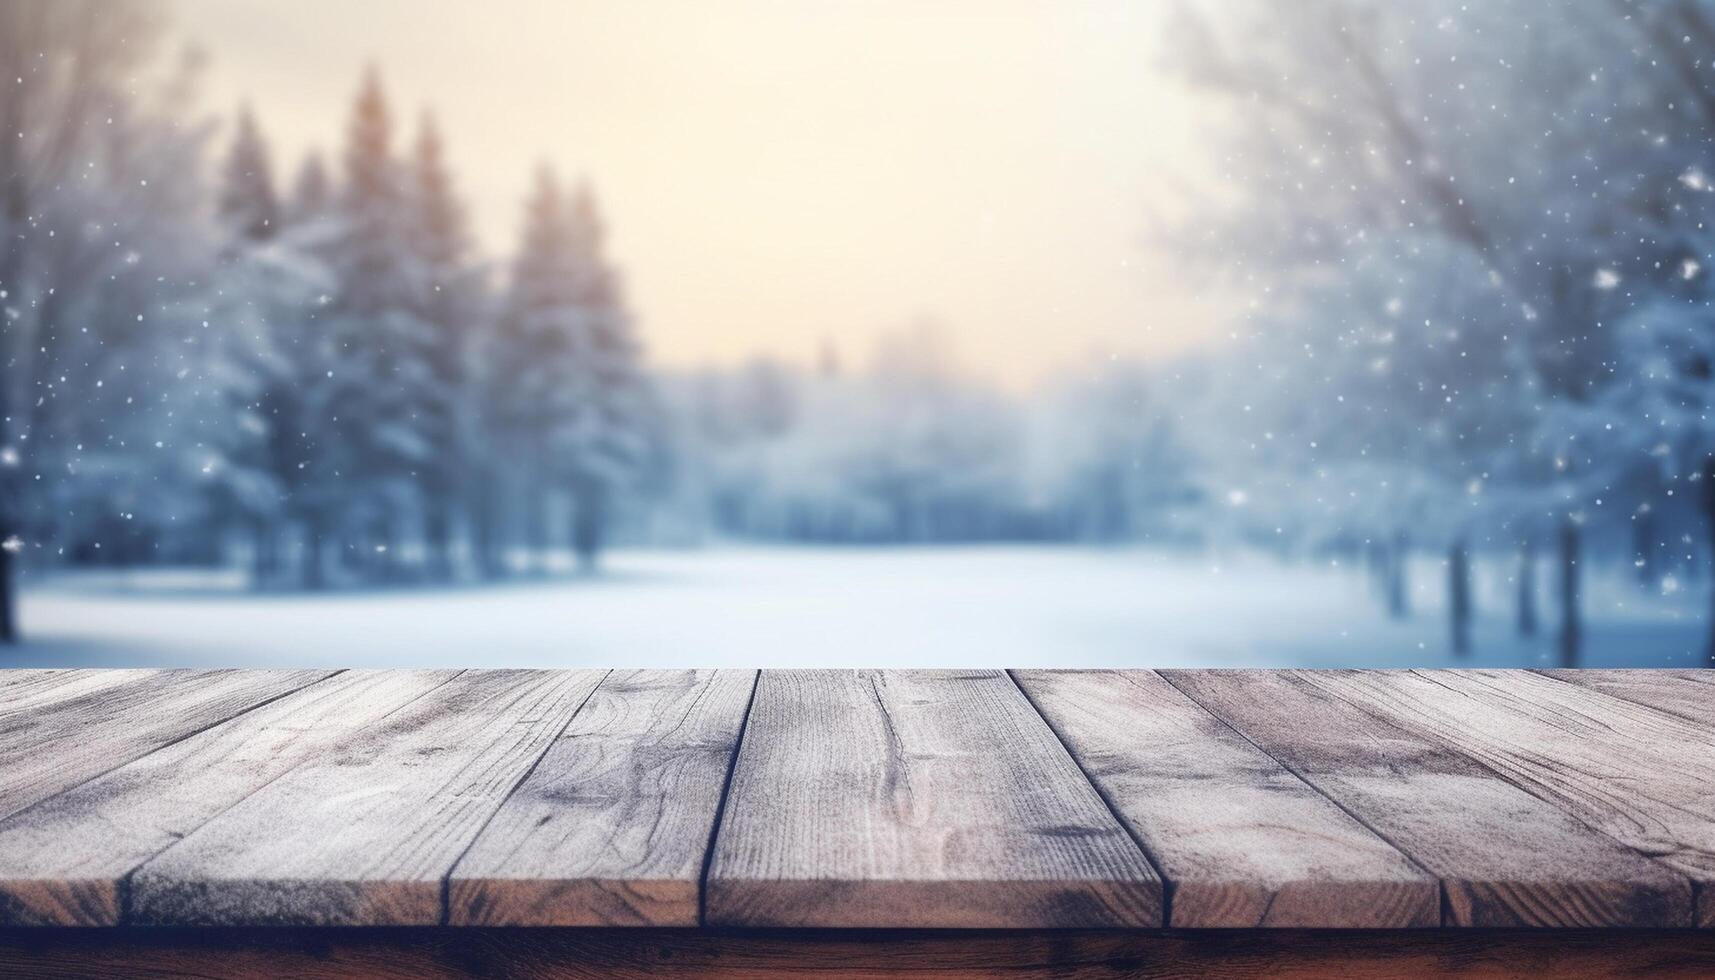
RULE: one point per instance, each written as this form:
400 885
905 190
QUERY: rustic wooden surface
1505 857
65 860
84 727
612 826
1686 693
707 800
368 834
876 798
1638 775
1243 841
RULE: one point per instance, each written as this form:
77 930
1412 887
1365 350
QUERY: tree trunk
1571 629
589 526
1376 562
1709 516
1398 604
15 200
382 553
1645 554
1459 596
315 561
437 534
540 518
487 543
8 588
262 554
1527 586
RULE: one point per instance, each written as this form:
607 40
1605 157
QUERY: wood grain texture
65 860
920 799
30 690
84 727
1241 841
365 835
14 675
711 954
1505 857
1689 694
1642 776
612 826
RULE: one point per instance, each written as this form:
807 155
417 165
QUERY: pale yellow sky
776 173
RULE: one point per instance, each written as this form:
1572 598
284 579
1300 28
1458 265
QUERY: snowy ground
812 607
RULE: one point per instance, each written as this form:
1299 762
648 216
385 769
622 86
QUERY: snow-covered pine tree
383 385
312 192
602 443
248 206
454 304
244 486
265 303
565 376
526 368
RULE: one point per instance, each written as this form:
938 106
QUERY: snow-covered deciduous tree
1554 170
100 249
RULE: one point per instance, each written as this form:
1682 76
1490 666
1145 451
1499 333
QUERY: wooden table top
838 798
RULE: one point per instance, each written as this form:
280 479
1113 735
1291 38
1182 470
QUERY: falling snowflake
1694 179
12 545
1606 279
1689 268
8 456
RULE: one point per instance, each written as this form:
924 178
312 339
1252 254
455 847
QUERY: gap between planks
447 878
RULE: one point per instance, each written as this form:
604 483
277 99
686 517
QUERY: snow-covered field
987 606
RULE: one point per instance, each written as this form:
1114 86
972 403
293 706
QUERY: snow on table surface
949 607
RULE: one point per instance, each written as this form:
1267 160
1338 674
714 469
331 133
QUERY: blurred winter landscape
949 607
1400 353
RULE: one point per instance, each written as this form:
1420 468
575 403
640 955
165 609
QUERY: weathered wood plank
366 835
32 691
1240 841
64 861
103 726
14 675
1690 694
612 826
1505 857
18 675
916 799
720 954
1641 776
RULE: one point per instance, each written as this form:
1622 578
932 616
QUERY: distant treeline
906 452
323 379
331 371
